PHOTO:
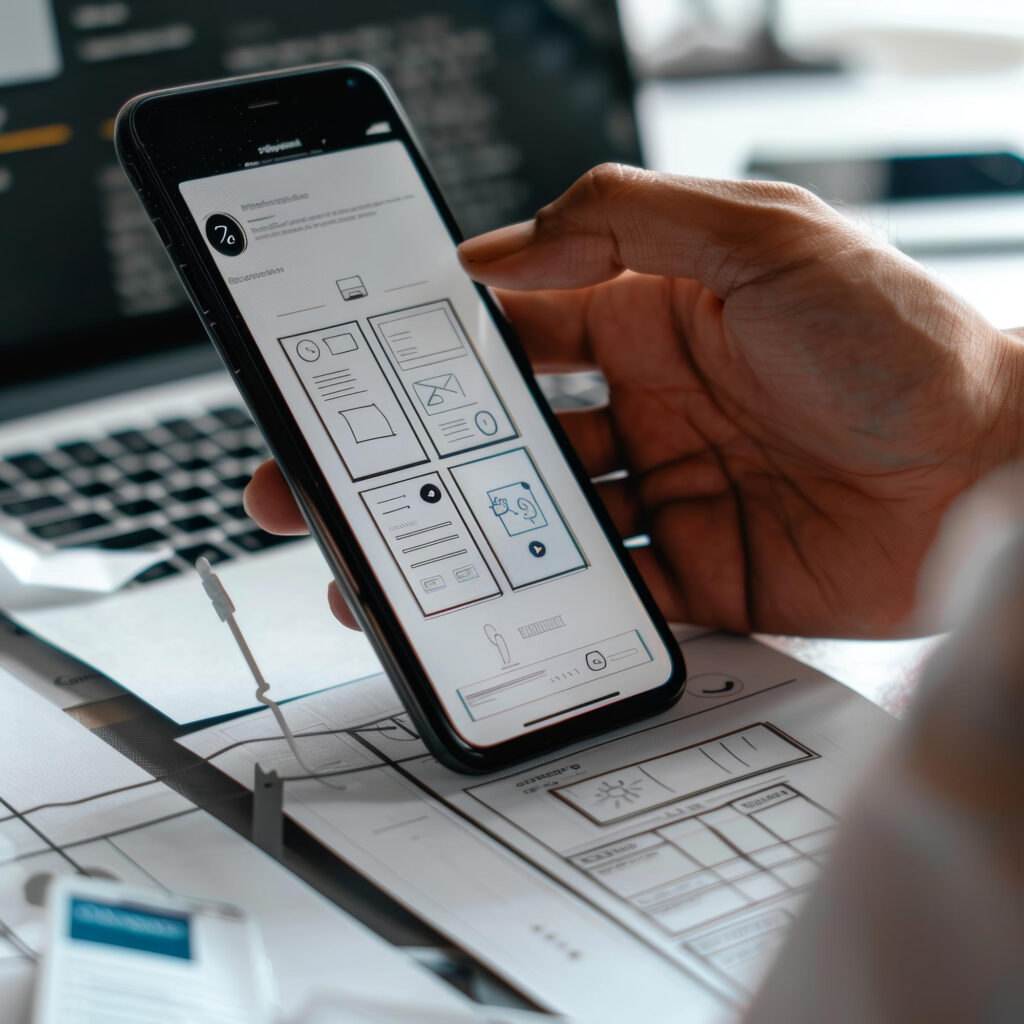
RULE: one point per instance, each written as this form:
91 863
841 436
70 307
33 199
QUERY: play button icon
537 549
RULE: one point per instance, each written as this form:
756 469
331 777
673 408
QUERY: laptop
119 431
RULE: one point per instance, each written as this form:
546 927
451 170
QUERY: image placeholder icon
516 509
438 366
367 423
519 517
421 336
341 343
440 393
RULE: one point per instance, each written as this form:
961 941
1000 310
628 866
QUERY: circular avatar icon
430 493
486 423
225 234
308 350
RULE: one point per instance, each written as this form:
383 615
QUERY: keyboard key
193 524
28 506
94 489
188 494
32 466
208 425
181 429
83 453
245 452
207 449
143 476
194 465
157 438
134 441
259 540
6 490
202 550
237 483
232 417
135 539
66 527
157 572
236 512
138 508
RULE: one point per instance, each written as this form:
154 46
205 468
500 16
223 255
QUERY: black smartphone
312 238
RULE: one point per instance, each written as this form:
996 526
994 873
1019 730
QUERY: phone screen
495 565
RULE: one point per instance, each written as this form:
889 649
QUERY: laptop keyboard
177 483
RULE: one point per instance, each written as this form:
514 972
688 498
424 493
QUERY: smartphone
315 244
123 952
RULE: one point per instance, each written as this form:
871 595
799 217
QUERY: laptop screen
512 100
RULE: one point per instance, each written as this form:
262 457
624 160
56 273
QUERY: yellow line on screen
34 138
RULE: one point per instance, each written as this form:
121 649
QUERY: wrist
1000 388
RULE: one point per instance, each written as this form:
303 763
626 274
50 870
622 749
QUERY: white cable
225 609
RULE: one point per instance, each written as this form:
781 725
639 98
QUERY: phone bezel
156 162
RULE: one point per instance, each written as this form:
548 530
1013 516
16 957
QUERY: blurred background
904 114
514 98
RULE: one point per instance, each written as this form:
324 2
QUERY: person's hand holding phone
795 404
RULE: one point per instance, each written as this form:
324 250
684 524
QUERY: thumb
721 233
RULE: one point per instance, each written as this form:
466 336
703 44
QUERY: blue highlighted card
131 927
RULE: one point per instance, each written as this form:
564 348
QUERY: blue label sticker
131 927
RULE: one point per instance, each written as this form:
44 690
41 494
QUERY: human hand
795 405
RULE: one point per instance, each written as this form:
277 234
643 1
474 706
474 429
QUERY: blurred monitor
512 99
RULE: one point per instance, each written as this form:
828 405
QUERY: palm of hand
790 451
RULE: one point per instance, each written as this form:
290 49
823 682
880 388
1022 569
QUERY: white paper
50 758
17 978
529 879
387 1011
313 946
61 679
35 575
167 646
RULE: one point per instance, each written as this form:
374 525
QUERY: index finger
721 233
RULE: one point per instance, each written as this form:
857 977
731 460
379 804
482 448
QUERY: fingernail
496 245
245 500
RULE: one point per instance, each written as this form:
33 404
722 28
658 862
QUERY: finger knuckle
605 184
607 179
787 210
786 193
